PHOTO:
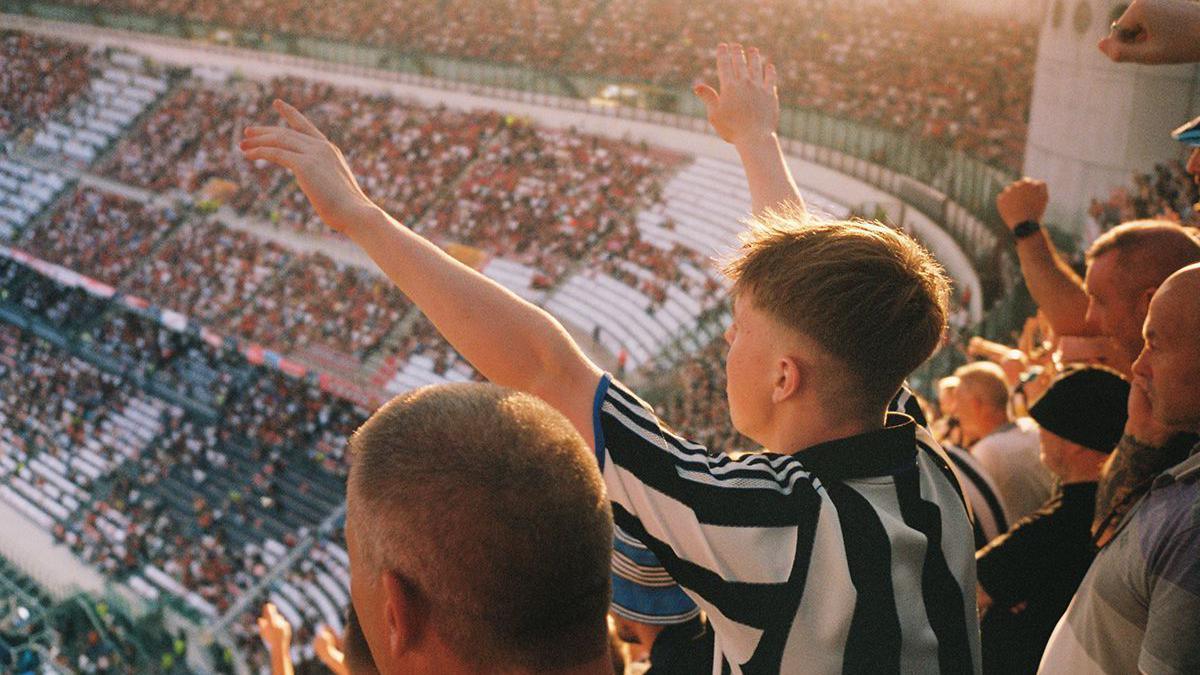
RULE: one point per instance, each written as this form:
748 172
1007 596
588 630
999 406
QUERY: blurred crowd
960 78
38 75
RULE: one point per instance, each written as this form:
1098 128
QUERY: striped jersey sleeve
795 572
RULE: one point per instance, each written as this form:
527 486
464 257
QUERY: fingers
296 120
755 65
769 77
278 156
707 95
738 57
724 66
274 137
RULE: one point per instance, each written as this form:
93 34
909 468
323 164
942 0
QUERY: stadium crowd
949 75
1075 450
38 75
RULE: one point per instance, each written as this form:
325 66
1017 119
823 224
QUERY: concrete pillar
1093 122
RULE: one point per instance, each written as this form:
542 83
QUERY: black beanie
1086 406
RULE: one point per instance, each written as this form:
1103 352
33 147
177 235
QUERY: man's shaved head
489 507
1168 369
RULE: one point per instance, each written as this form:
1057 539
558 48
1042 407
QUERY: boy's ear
790 379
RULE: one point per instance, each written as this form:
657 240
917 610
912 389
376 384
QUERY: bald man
1138 608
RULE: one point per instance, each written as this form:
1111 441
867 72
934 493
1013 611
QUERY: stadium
186 346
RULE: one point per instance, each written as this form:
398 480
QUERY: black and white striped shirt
852 556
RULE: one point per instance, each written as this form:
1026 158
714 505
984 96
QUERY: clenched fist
1023 200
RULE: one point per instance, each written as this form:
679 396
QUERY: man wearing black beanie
1028 575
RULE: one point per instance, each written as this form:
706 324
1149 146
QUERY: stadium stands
959 77
25 192
122 89
40 75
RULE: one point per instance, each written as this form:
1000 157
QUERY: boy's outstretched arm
510 341
745 112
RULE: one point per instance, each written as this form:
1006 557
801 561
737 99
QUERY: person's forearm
770 180
1055 287
510 341
281 660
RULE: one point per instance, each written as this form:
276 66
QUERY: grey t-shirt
1138 608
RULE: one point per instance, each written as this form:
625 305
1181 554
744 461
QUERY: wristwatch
1025 229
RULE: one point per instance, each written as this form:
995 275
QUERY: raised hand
1023 200
274 629
318 165
747 106
328 647
1155 31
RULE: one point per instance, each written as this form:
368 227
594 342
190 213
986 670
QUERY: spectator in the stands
1139 604
1028 575
1124 267
1006 448
479 536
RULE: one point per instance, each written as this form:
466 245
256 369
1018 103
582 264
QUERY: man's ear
1143 301
407 614
790 379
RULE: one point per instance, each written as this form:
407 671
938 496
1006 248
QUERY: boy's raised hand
747 106
318 165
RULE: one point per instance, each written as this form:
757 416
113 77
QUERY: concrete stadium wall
1094 122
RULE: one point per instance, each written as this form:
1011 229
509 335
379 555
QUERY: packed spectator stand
188 470
952 76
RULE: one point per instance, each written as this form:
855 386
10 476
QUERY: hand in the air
318 165
747 107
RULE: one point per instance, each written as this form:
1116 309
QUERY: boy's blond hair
868 295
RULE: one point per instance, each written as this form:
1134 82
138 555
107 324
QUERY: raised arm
746 113
1055 287
512 342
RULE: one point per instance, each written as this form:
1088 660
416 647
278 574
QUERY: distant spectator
1006 448
1028 575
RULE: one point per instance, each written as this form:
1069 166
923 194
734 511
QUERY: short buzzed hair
985 381
1148 251
490 504
867 294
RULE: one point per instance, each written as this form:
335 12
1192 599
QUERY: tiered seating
65 427
53 302
24 192
425 358
319 302
122 90
640 309
38 76
207 270
98 234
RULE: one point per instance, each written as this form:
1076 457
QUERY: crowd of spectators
319 302
99 234
956 77
38 75
547 198
692 398
207 270
1167 192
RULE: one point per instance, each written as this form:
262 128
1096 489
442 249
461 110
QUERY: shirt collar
882 452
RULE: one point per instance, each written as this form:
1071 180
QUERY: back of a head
1148 251
490 503
867 294
983 381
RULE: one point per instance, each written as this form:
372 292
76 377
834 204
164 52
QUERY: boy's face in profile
753 348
